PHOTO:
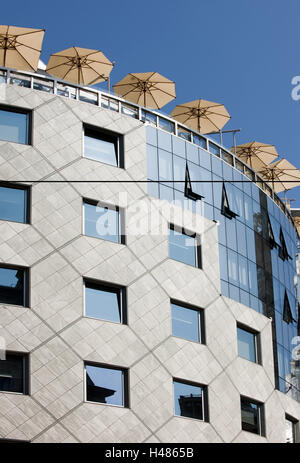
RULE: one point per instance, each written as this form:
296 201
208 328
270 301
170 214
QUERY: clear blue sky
242 53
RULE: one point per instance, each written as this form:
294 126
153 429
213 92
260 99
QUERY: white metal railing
107 100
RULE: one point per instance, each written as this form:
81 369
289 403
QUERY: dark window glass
104 302
103 146
247 344
14 204
189 400
13 285
14 126
101 221
106 385
185 322
14 373
184 248
251 416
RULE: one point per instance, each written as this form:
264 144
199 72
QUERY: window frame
121 218
29 125
204 399
201 320
116 138
122 298
27 205
257 343
26 369
197 246
26 289
261 416
125 382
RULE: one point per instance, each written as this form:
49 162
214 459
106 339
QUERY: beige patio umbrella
202 115
20 47
281 175
80 65
148 89
256 154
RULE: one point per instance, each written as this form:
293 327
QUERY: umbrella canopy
256 154
20 47
146 89
80 65
202 115
281 175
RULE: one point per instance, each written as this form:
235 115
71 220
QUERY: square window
14 286
14 373
107 385
187 322
14 203
190 400
184 246
14 125
252 416
104 146
290 430
103 221
248 344
104 301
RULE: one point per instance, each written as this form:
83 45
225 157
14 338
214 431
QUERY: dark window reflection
13 373
13 204
14 126
188 400
13 286
250 416
105 385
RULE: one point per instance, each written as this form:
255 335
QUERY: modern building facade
147 278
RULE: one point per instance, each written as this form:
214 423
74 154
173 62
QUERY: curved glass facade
257 243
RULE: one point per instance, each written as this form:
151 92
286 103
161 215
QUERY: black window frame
204 397
225 206
261 416
111 207
27 189
257 342
26 289
198 246
121 292
25 374
29 114
125 378
106 135
201 320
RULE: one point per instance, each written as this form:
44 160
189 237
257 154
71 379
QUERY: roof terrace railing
112 102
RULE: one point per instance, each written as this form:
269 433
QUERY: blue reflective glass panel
101 222
246 344
104 385
182 247
14 126
103 302
188 400
13 204
185 322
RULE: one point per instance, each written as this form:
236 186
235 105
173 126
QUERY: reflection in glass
12 373
14 126
182 247
246 344
188 400
101 222
12 286
104 385
13 204
250 416
103 302
101 147
185 322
